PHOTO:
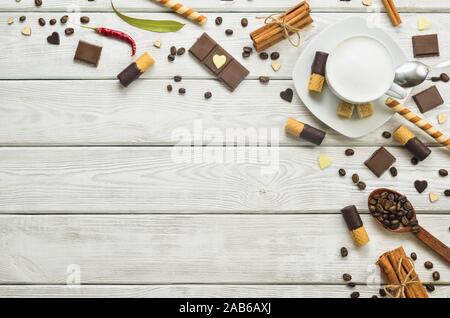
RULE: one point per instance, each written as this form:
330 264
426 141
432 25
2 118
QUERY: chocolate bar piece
351 217
88 53
425 45
428 99
304 131
380 161
225 67
135 69
319 63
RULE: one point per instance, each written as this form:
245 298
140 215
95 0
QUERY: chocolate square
209 63
88 53
380 161
204 45
425 45
233 74
428 99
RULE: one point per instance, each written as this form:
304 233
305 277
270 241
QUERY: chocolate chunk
312 134
88 53
287 95
351 217
425 45
417 147
428 99
319 63
380 161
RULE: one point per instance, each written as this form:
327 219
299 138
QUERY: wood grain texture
196 179
101 113
162 249
44 61
223 6
199 291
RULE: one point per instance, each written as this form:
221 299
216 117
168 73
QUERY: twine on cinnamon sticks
410 278
282 26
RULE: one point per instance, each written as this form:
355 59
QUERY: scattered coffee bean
171 57
430 287
355 178
444 77
245 54
248 49
374 296
52 21
386 134
219 20
64 19
263 55
41 21
428 265
244 22
349 152
354 295
342 172
344 252
69 31
177 78
182 91
413 256
169 88
393 171
38 3
22 18
173 50
181 51
274 56
361 185
208 95
229 32
382 292
443 172
264 79
347 277
351 285
436 276
85 20
447 193
435 79
414 161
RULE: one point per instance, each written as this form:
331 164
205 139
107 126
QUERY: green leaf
161 26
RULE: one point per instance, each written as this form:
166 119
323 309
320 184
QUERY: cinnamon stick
417 287
392 11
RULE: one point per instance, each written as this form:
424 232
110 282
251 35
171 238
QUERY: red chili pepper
117 35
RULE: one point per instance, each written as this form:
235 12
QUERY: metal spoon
413 73
423 235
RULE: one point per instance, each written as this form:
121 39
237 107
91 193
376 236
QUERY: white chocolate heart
367 3
10 21
276 66
157 44
324 162
219 60
423 24
433 197
26 31
442 118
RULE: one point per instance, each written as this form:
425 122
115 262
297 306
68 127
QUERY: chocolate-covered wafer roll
304 131
404 136
317 78
355 225
136 69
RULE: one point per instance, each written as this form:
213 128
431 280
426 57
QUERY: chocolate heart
420 185
54 38
287 95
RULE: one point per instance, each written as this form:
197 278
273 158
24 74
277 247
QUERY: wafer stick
419 122
184 11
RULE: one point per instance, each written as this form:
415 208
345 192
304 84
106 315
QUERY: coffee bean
361 185
428 265
38 3
435 78
64 19
414 161
444 77
41 22
52 21
374 296
229 32
177 78
264 79
244 22
382 292
248 49
22 18
354 295
208 95
169 88
443 172
181 51
436 276
393 171
413 256
263 56
344 252
386 134
342 172
171 57
85 19
447 193
69 31
182 91
219 20
351 285
415 229
430 287
355 178
245 54
347 277
274 56
173 50
349 152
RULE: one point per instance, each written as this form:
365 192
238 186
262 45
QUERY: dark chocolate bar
88 53
425 45
380 161
418 148
312 134
428 99
351 217
319 63
219 62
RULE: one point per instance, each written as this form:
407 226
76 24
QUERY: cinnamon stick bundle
392 11
273 32
403 280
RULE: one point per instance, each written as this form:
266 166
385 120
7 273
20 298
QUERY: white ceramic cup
360 70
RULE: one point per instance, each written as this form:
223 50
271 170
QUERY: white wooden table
89 184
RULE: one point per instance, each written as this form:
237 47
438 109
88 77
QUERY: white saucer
324 105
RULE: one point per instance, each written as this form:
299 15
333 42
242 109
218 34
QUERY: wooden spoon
423 235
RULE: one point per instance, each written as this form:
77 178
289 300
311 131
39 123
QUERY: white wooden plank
196 179
32 58
197 291
100 113
163 249
217 5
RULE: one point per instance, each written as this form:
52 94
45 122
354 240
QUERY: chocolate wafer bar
219 62
404 136
317 78
355 225
304 131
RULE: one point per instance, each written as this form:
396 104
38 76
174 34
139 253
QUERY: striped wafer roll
184 11
419 122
